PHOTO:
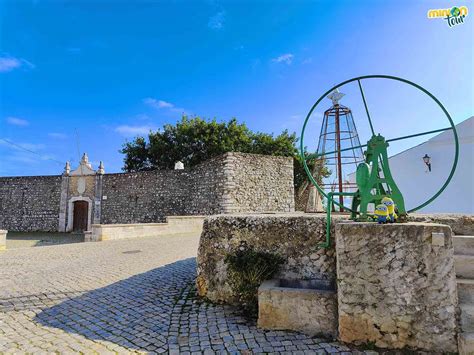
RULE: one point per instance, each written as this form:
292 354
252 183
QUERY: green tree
195 140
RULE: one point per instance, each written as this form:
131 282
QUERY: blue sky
87 75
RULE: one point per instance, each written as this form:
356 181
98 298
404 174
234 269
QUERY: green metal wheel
452 127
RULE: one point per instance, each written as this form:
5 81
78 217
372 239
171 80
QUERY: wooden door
79 222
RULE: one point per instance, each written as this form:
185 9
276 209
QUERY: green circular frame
456 141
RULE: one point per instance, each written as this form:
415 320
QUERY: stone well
294 236
397 285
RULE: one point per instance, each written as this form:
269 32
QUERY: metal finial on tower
335 96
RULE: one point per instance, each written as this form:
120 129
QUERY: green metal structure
373 178
372 186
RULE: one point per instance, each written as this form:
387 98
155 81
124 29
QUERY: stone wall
293 236
397 285
30 203
233 182
228 183
148 197
461 224
258 183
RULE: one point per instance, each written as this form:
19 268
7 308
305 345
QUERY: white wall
416 183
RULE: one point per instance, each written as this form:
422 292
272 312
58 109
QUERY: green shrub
247 269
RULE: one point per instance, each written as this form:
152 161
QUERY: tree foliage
195 140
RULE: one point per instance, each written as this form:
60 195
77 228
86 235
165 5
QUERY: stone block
395 288
306 307
3 239
182 225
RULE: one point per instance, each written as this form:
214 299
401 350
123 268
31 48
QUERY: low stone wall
295 237
3 239
397 285
174 225
461 224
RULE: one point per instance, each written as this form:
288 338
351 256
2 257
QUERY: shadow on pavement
134 313
36 239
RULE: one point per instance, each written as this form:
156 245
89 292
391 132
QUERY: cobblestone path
123 297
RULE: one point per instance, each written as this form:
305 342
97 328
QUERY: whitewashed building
417 182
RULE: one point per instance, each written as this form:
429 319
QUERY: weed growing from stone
247 269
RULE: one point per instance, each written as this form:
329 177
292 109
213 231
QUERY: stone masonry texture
233 182
311 311
295 237
146 197
30 203
397 285
258 183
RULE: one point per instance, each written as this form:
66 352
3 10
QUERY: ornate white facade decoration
84 168
101 170
67 169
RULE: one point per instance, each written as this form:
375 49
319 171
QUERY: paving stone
90 297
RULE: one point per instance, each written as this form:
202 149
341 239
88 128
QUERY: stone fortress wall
30 203
233 182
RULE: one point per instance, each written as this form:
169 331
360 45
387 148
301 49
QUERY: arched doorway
80 216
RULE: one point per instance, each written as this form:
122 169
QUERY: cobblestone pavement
123 297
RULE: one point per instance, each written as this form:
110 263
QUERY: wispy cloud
284 58
9 63
216 22
307 61
132 131
21 146
161 104
15 121
157 103
24 153
56 135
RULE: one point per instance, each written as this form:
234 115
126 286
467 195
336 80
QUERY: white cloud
17 121
216 22
160 104
157 103
8 63
56 135
132 131
284 58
